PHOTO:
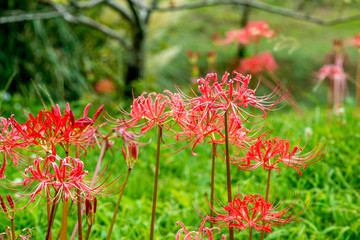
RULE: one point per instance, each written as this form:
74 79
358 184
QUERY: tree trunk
135 68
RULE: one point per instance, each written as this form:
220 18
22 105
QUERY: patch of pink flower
263 62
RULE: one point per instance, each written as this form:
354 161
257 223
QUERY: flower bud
2 204
11 202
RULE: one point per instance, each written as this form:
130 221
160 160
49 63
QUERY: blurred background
105 51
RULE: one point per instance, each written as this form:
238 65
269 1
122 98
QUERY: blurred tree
48 53
130 30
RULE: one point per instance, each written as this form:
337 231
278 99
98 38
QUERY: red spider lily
50 128
10 141
145 108
198 235
256 30
338 77
355 41
178 108
66 176
233 94
198 126
251 211
268 153
331 71
252 32
237 36
259 63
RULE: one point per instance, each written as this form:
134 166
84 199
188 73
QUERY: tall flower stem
104 148
48 207
155 182
228 177
250 233
51 219
117 205
63 229
13 227
266 200
88 232
212 182
64 220
79 203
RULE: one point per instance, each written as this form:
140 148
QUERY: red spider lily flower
259 63
178 108
66 176
255 30
233 94
237 36
200 234
238 135
151 109
355 42
50 128
251 211
198 126
331 71
10 141
268 153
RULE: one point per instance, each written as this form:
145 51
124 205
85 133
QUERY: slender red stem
250 233
155 183
228 177
117 205
64 220
51 220
88 232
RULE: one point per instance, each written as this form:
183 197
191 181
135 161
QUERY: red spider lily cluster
252 32
43 148
49 149
218 115
259 63
252 211
269 153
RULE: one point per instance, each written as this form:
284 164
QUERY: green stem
212 183
250 233
155 183
117 205
266 200
88 232
228 177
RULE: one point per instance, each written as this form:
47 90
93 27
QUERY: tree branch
122 11
90 23
29 16
88 4
254 4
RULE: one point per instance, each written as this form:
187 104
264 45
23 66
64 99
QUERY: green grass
331 186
